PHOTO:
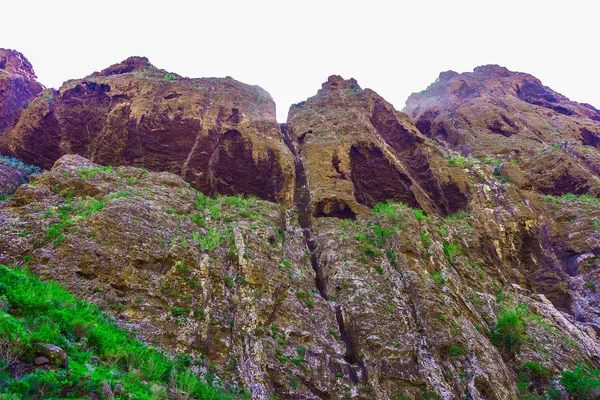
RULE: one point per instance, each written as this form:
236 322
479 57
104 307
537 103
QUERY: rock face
18 85
358 151
387 262
218 134
493 112
392 304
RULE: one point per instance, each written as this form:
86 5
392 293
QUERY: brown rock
358 151
10 178
18 85
54 354
494 112
39 361
219 134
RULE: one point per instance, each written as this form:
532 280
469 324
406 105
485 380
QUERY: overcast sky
290 48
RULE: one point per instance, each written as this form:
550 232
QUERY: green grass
451 250
87 173
569 198
45 312
582 382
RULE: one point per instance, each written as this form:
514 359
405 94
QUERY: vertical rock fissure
302 204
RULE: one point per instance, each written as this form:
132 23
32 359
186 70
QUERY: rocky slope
393 265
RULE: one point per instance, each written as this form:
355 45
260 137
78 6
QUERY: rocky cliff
217 133
386 255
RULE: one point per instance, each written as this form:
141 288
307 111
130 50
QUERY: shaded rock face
219 134
494 112
18 85
358 151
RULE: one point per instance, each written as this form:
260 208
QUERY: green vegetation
44 312
582 382
438 278
169 78
461 162
457 351
591 286
509 332
419 214
425 239
18 164
532 379
87 173
569 197
390 210
451 250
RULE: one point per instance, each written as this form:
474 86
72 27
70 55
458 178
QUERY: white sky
290 48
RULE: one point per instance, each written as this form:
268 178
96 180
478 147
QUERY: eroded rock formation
18 85
217 133
384 259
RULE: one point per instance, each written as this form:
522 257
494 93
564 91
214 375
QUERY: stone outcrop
357 150
18 85
494 112
217 133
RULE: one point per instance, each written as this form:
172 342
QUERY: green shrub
425 239
18 164
582 382
451 250
509 332
457 351
419 214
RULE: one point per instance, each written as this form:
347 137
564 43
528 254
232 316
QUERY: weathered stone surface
329 294
18 85
56 356
219 134
384 310
358 151
494 112
10 178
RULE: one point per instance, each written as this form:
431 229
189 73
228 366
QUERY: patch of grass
460 161
582 382
591 286
169 78
569 197
438 278
212 239
44 311
451 250
425 239
457 351
419 215
87 173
